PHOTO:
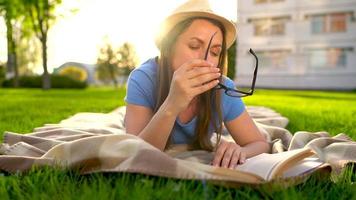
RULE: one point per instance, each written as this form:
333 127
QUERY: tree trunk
46 79
112 74
12 71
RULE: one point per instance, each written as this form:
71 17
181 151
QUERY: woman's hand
189 80
229 154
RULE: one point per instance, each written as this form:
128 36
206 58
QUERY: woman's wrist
169 109
256 148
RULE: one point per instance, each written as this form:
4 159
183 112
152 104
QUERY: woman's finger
235 159
205 87
202 79
198 71
242 158
228 155
219 154
196 63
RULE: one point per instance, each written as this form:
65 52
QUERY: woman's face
193 42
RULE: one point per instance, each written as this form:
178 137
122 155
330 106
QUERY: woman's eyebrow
196 38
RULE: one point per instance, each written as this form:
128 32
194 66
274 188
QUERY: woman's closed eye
215 52
194 46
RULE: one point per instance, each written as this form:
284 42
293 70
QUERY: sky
77 36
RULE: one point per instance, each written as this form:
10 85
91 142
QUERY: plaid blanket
97 142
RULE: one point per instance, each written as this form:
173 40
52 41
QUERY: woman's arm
249 142
189 80
153 128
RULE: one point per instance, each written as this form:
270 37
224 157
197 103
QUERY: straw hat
195 8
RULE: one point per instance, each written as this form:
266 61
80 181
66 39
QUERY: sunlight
78 36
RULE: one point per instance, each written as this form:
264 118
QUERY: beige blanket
96 142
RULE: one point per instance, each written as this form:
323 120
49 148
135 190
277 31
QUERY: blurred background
301 44
75 43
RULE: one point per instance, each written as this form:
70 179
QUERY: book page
266 165
303 167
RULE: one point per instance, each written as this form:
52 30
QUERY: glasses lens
233 93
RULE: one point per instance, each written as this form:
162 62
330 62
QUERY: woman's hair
209 103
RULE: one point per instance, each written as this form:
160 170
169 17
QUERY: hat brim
172 20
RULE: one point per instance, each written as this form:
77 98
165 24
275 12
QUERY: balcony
320 4
248 5
295 32
246 36
295 64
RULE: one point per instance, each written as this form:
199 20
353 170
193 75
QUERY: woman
171 99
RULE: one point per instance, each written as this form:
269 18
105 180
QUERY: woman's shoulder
141 85
149 66
232 106
145 73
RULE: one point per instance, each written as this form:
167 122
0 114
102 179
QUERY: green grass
24 109
334 112
21 110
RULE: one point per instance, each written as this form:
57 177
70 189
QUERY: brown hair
209 103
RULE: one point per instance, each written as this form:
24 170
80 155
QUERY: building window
328 57
267 1
274 58
269 26
330 23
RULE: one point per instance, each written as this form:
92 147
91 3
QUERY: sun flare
77 36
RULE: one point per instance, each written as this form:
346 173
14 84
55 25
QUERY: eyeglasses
232 91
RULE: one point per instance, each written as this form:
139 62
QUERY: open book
281 165
261 168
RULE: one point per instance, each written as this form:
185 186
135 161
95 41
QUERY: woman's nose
199 54
202 54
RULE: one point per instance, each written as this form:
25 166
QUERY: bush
74 72
57 81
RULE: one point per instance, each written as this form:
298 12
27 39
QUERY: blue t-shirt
142 90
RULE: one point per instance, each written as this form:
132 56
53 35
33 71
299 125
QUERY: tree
128 59
113 63
41 17
22 48
28 55
107 64
11 11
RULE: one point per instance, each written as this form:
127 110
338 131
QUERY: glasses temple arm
207 50
255 72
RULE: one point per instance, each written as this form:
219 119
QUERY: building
301 44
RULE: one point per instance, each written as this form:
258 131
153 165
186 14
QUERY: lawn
22 110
